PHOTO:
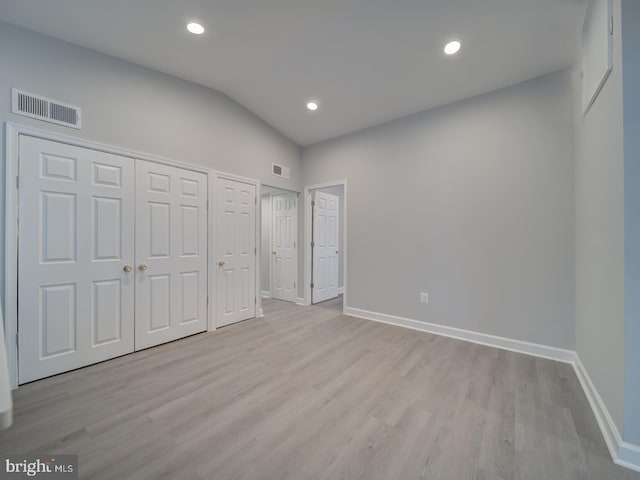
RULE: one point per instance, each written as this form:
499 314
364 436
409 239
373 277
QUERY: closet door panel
171 253
76 299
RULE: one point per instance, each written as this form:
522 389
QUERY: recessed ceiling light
313 106
195 28
452 47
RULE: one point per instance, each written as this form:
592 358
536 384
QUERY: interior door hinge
18 182
313 203
255 250
294 284
312 285
255 300
207 299
18 339
611 26
313 244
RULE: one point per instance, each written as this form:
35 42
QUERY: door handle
220 263
143 266
127 268
337 251
274 252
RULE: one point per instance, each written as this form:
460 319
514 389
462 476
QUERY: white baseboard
300 301
622 453
519 346
628 456
265 294
609 430
340 290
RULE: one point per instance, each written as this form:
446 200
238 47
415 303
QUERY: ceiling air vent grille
280 170
42 108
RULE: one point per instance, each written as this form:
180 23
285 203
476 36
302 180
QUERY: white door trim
12 134
307 238
11 252
258 229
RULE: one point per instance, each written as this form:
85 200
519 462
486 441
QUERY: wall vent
280 170
46 109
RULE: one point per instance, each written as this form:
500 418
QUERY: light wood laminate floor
333 304
307 393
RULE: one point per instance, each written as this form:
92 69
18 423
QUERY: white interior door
325 247
76 240
171 253
284 234
236 251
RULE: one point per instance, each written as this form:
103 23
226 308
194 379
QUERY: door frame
11 155
308 220
213 242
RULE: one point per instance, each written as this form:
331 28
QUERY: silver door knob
143 266
127 268
221 262
337 251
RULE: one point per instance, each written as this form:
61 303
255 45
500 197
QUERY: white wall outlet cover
424 298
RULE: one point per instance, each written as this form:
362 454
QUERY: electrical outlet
424 297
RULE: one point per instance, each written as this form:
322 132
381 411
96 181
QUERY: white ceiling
366 61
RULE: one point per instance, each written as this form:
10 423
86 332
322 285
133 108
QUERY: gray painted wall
631 101
599 202
339 192
133 107
472 203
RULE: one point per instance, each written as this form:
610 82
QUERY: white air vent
41 108
280 170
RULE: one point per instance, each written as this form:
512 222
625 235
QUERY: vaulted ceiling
364 61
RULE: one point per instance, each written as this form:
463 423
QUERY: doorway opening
326 244
280 245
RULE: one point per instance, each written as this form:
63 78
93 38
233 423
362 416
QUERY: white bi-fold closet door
326 211
101 271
